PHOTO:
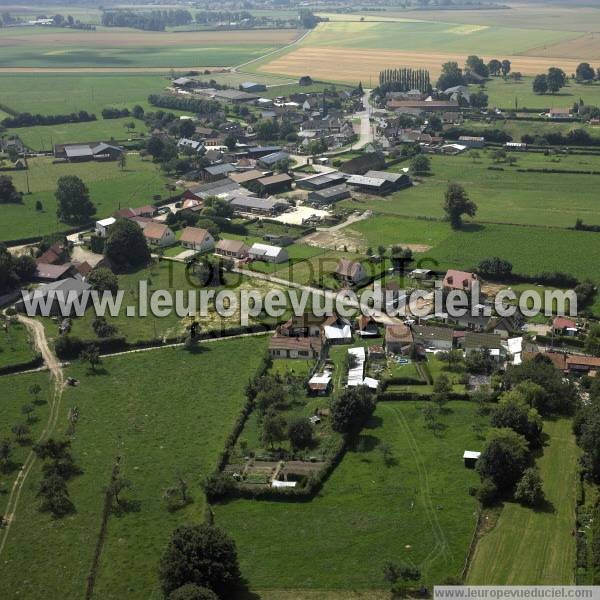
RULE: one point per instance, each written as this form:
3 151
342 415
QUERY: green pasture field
164 412
423 36
504 94
109 186
15 344
294 88
14 391
422 498
518 128
502 196
42 137
531 250
60 93
526 545
83 13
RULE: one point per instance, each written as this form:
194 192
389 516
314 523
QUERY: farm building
470 458
398 338
564 326
471 141
258 206
320 181
231 249
65 288
350 272
45 272
423 105
366 326
197 239
275 184
87 151
103 226
320 384
258 151
215 188
439 338
398 180
143 211
363 163
252 87
160 235
216 172
370 185
266 253
583 365
270 160
329 195
246 177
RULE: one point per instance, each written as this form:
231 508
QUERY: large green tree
73 197
351 409
203 555
126 246
457 204
8 192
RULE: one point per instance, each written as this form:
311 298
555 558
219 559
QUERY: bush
529 490
487 492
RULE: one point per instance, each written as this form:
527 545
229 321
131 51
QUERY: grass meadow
42 137
14 394
526 545
415 510
59 93
110 188
164 412
15 344
502 196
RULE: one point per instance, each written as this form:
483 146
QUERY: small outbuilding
471 457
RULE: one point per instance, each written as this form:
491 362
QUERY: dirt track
41 343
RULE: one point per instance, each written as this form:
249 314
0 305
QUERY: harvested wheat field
359 65
585 47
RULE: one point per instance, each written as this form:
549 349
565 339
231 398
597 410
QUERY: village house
564 326
47 272
266 253
559 114
583 365
350 272
160 235
282 346
459 280
231 249
143 211
477 342
398 338
71 287
366 326
471 141
197 239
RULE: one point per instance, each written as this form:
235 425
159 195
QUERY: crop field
160 426
528 546
15 344
502 196
518 128
422 498
136 185
59 93
14 391
132 48
42 137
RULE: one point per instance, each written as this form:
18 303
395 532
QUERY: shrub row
561 341
404 381
395 396
562 171
26 119
34 363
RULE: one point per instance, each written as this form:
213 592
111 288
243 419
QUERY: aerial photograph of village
299 299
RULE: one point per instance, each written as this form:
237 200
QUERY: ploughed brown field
343 64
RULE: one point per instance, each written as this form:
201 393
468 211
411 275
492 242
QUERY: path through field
52 363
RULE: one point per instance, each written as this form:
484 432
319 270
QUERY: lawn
110 188
528 546
161 421
417 510
15 344
59 93
14 391
502 196
42 137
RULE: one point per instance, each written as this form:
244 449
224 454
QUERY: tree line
155 20
26 119
195 105
403 80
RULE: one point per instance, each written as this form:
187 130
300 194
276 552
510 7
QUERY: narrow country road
41 343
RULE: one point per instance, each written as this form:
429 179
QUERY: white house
267 253
103 226
197 239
